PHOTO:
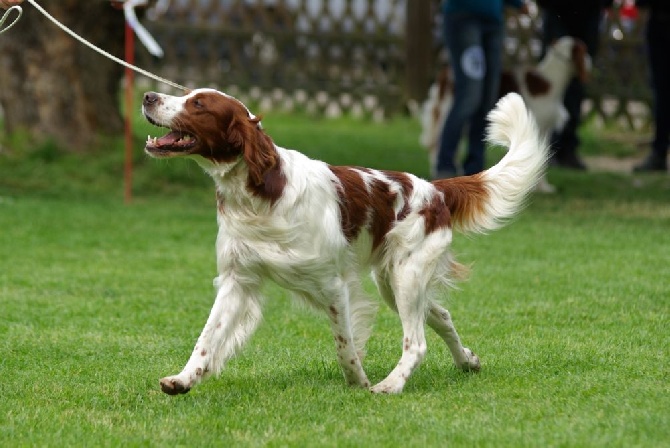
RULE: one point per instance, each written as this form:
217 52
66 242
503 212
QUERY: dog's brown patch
465 197
537 84
364 205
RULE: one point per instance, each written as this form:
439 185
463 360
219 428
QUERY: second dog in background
542 88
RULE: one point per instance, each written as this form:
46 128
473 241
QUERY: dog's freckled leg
440 321
233 318
410 301
347 355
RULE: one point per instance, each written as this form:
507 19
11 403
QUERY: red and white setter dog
542 88
315 229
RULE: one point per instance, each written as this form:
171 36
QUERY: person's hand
4 4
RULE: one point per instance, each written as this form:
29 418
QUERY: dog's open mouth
172 142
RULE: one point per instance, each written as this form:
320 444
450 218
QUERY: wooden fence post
418 49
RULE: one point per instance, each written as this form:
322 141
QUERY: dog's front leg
234 316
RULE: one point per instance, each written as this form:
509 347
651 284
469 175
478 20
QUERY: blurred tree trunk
418 48
52 86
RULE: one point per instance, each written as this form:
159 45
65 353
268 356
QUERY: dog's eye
198 104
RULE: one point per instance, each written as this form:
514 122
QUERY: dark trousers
586 28
658 42
475 52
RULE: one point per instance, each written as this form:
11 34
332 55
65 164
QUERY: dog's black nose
150 98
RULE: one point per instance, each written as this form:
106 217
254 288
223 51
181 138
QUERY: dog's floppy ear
257 148
258 151
581 60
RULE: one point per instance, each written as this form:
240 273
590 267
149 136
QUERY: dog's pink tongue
169 139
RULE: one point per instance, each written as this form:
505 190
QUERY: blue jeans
475 50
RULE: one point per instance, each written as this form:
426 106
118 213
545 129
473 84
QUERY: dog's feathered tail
484 201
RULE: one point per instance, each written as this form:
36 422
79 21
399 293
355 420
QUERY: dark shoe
569 161
652 163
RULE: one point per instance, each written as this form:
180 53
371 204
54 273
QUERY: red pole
128 166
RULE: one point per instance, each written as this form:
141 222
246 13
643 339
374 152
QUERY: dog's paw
173 386
355 377
357 382
472 363
388 386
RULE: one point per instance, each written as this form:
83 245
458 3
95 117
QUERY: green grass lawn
568 308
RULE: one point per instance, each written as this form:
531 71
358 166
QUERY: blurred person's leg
658 42
463 36
492 41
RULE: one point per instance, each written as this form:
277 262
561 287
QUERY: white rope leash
5 16
91 46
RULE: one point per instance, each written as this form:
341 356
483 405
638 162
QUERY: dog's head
212 125
574 50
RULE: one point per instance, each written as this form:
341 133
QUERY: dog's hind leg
408 297
384 288
340 317
234 316
363 311
439 320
